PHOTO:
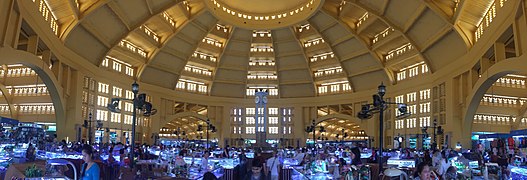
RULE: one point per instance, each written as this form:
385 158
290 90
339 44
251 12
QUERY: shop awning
496 135
519 132
8 120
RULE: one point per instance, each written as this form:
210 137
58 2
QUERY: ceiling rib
164 45
130 31
220 57
74 8
231 68
142 22
370 21
364 71
411 21
396 28
463 32
384 7
292 68
459 10
451 21
81 16
364 43
120 14
342 39
306 58
149 7
96 34
184 10
432 40
275 63
229 82
354 55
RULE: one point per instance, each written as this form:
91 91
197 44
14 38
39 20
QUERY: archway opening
187 130
25 104
339 131
501 108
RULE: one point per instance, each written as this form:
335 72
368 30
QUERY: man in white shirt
205 161
272 164
300 156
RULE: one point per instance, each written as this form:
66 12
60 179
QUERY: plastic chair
392 172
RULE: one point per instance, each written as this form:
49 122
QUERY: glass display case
519 173
290 162
44 155
401 163
55 168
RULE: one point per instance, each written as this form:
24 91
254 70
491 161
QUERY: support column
454 110
225 132
499 51
66 83
73 108
484 64
4 77
299 126
32 44
474 76
46 57
9 23
156 120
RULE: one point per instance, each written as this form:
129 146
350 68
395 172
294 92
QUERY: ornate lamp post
438 130
89 128
378 106
135 90
139 103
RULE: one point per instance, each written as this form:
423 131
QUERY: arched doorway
339 129
38 94
490 87
187 127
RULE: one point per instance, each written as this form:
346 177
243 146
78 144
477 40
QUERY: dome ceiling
191 46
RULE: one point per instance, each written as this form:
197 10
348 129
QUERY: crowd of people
337 160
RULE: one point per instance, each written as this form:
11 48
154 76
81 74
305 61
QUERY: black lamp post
89 128
177 133
438 130
312 130
378 106
210 127
135 90
87 124
424 136
343 132
139 103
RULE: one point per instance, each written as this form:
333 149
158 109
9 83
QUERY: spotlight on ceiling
148 110
113 106
365 112
424 130
403 109
377 100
